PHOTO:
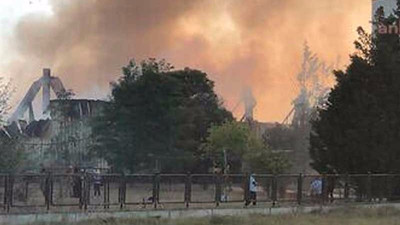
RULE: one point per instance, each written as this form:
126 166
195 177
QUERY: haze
255 43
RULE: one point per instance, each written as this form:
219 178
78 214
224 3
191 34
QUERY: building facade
64 139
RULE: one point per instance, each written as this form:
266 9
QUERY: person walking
77 183
96 183
45 185
252 198
316 189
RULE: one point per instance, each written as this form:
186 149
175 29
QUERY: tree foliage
235 144
280 137
11 153
357 131
66 94
5 94
158 117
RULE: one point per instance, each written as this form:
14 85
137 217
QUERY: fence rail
89 191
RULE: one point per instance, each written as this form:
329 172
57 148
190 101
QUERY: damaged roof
35 129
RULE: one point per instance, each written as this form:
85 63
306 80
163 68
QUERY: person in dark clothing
45 185
77 184
96 183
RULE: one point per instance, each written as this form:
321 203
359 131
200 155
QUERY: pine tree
359 130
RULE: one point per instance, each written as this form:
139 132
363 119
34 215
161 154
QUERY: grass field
348 216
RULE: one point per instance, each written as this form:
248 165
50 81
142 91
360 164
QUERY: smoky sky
256 43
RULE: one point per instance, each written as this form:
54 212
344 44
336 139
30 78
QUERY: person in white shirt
252 191
316 188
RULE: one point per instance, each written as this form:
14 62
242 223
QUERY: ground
347 216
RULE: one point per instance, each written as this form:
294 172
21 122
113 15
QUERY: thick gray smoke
238 43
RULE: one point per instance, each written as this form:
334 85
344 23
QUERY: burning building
62 136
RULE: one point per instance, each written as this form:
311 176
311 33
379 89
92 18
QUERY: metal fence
83 191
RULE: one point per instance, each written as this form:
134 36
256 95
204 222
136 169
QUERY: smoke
238 43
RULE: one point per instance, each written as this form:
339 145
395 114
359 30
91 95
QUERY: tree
5 94
157 117
357 130
227 144
66 94
11 153
280 137
234 144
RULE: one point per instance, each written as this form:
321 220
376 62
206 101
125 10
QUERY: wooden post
122 191
6 194
188 189
274 190
324 189
47 189
369 187
105 180
108 194
82 193
218 189
85 190
299 188
156 189
246 188
51 189
346 187
11 191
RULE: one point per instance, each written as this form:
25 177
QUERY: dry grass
348 216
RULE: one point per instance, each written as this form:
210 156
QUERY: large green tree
358 129
157 118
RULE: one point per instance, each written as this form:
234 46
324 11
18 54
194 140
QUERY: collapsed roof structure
62 135
45 83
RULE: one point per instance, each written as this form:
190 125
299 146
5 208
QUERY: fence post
11 190
274 190
105 182
122 191
47 188
81 197
218 189
188 189
324 189
26 191
84 183
369 187
246 187
299 188
389 187
346 187
156 189
51 189
6 193
108 194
